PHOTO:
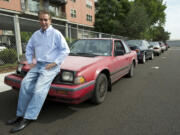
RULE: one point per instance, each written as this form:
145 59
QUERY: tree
159 34
155 10
137 21
110 15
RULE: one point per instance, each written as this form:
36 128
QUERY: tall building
10 5
72 14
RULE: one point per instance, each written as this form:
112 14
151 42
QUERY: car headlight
19 68
67 76
79 80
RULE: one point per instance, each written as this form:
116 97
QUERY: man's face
45 21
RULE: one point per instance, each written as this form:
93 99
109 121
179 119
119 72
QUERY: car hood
77 63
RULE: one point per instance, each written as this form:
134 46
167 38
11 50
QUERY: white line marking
156 67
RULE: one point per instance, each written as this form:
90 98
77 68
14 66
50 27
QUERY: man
49 48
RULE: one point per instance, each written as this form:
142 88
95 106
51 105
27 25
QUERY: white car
163 47
156 48
2 48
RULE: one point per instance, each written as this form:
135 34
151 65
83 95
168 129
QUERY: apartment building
72 14
12 5
80 12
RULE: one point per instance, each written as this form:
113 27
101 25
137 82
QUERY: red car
88 72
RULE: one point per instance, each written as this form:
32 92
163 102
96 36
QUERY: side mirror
119 52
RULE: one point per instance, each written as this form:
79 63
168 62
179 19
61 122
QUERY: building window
73 1
89 18
88 4
33 6
73 13
54 10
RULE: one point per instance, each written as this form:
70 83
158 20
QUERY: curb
4 87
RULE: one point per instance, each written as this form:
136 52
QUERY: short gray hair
45 12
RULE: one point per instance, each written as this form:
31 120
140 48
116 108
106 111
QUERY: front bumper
73 94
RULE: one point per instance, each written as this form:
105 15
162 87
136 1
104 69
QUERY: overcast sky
173 18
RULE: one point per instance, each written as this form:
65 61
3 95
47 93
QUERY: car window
145 45
99 47
127 49
132 43
119 46
154 43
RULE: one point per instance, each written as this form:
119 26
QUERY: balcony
59 2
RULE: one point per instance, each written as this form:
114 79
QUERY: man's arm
30 52
63 49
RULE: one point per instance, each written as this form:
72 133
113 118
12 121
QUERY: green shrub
8 56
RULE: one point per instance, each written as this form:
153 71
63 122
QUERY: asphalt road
147 104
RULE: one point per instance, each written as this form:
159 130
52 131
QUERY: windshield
154 43
134 42
91 47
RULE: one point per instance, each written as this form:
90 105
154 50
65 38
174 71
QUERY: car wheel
100 90
131 71
152 56
144 59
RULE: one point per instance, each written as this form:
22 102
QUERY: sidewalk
4 87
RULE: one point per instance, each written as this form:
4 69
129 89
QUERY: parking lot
147 104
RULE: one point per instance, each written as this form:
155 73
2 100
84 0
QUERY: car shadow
50 112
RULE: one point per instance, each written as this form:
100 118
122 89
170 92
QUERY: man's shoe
24 123
14 121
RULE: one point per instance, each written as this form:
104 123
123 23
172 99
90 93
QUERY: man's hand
51 65
31 65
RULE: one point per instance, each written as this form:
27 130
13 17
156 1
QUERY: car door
119 62
127 53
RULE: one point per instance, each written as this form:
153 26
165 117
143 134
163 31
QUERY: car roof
101 38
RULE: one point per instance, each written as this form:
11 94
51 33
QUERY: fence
11 47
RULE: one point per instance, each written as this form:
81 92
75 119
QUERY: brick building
14 5
72 14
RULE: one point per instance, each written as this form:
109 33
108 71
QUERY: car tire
152 56
143 59
131 71
100 90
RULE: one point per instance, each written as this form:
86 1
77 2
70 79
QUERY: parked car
156 48
143 49
163 46
167 46
2 47
88 72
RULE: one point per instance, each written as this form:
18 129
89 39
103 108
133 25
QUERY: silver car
156 48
